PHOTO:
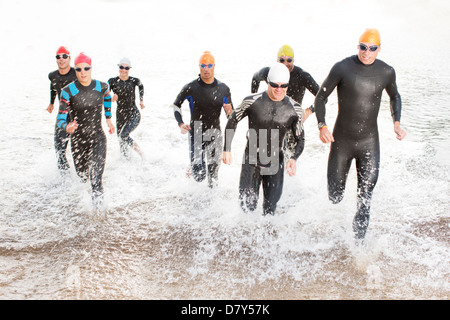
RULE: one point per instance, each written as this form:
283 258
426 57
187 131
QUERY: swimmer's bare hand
71 127
110 126
184 128
326 136
400 133
291 167
226 157
50 107
228 108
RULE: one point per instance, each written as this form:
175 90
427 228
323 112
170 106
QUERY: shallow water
166 237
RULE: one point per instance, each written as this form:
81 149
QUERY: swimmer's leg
61 140
367 167
249 183
80 154
339 162
197 157
213 151
273 188
124 134
96 169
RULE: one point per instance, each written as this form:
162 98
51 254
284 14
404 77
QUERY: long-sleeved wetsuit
61 137
127 113
268 123
359 90
205 137
84 104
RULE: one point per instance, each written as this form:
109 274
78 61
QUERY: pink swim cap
63 49
83 58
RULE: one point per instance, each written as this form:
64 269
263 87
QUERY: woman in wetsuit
360 81
271 115
127 114
83 100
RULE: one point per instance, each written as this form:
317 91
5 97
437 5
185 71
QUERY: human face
207 72
368 56
276 93
63 63
287 61
83 75
123 72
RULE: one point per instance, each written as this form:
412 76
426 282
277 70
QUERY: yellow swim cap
286 51
370 36
207 58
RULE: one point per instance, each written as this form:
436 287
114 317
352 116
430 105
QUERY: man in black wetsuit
207 96
127 113
299 80
271 115
360 81
58 80
82 101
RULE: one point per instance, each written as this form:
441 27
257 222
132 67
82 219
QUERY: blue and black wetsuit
268 123
127 113
205 137
359 90
85 105
61 137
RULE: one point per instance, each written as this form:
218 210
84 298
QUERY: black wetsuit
205 137
61 137
268 123
359 90
127 113
85 105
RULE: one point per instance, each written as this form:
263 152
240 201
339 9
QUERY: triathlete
207 96
299 81
84 101
127 113
58 80
271 114
360 81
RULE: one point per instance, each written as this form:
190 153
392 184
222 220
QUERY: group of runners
275 138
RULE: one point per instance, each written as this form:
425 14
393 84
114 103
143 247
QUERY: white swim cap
125 60
279 73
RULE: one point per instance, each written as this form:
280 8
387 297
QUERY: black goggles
85 69
274 85
64 56
282 60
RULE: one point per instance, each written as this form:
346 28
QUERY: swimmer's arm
107 106
394 96
326 89
64 103
259 76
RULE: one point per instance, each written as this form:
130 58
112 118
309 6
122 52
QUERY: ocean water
163 236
